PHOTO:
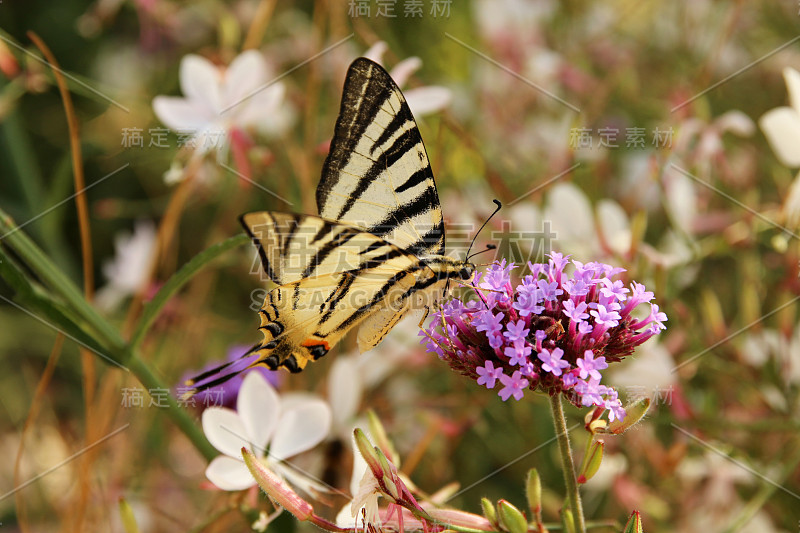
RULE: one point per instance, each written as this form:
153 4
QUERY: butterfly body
376 250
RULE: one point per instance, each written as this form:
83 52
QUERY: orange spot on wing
308 343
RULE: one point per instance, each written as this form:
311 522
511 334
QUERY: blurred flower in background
222 109
130 268
422 100
274 428
782 129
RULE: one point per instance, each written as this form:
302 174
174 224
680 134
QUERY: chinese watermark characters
159 138
633 138
137 397
399 8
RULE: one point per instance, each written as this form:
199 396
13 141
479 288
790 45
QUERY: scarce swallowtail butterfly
376 250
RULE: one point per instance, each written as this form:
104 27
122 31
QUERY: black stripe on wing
368 87
431 239
406 142
364 93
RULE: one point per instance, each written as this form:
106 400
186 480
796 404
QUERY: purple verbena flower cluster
553 332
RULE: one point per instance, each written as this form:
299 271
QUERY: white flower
130 267
782 124
365 490
273 428
782 129
218 101
421 100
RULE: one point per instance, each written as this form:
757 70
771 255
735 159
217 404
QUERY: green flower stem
92 326
56 281
568 465
178 280
178 415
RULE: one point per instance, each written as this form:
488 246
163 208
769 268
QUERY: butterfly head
465 270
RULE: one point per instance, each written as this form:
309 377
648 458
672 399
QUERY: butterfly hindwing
377 175
363 279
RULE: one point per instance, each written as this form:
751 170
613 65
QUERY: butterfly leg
424 316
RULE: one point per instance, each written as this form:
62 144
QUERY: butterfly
376 250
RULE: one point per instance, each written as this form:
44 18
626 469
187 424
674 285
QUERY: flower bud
369 453
489 511
636 411
381 439
634 524
591 461
511 518
463 519
276 488
567 520
533 491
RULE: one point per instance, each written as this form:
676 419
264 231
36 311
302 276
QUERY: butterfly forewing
377 175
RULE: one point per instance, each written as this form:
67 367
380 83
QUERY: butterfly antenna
499 205
488 248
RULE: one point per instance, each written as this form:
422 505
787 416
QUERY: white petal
427 100
228 473
791 205
754 351
262 109
293 399
681 198
613 222
246 74
345 518
344 389
360 466
792 78
404 69
651 370
259 408
181 114
569 212
225 431
175 174
200 81
735 122
376 51
782 128
301 428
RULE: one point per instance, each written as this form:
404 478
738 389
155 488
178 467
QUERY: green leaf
178 280
38 304
57 283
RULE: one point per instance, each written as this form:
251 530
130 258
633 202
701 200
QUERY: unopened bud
277 489
511 518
